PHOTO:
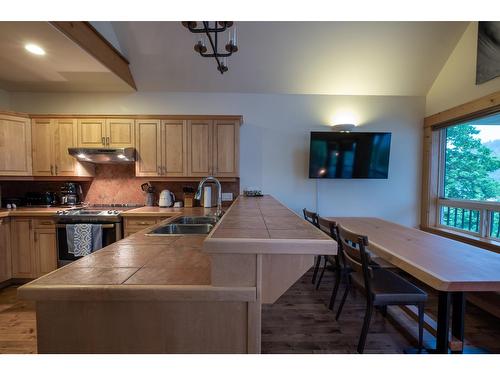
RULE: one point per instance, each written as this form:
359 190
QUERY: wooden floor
17 324
298 322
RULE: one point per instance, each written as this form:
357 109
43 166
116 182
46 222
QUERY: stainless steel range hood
103 155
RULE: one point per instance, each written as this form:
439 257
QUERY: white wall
456 83
4 100
275 141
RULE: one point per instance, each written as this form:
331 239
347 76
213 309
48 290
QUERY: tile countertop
169 265
262 225
30 211
141 266
134 212
165 211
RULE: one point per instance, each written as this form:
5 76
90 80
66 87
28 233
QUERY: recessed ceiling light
35 49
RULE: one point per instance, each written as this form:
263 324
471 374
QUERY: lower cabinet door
23 255
45 251
5 250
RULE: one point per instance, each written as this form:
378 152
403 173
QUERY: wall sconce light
343 128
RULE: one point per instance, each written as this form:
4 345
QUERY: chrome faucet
219 211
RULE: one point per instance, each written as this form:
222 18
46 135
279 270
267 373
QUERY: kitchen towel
83 239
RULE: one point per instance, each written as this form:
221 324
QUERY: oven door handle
104 226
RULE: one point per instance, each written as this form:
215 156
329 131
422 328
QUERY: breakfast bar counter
184 293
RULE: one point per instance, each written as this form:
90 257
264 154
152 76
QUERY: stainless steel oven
109 220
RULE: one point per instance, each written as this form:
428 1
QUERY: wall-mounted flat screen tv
349 155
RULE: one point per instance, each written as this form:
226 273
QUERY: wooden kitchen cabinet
120 133
22 248
199 159
5 250
65 136
51 140
42 132
161 148
173 148
213 148
15 146
226 144
148 147
33 247
45 247
92 133
104 133
136 224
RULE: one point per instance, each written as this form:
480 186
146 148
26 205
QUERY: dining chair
312 217
341 269
382 287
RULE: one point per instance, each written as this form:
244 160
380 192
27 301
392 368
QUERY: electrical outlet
227 196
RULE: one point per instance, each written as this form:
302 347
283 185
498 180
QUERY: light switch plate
227 196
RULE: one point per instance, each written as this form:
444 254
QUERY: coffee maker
71 194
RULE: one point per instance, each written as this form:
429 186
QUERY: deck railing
473 217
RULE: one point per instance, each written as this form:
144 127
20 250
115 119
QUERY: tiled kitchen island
178 294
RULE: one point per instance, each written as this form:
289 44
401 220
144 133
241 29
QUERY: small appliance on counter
188 196
150 193
71 194
48 198
167 199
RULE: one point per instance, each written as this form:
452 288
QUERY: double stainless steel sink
185 225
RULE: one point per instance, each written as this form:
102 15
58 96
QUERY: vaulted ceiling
350 58
341 58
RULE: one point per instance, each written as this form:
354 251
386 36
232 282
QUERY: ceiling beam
90 40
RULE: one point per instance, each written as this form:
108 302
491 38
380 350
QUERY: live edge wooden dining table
450 267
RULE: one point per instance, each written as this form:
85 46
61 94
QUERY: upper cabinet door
65 135
174 148
199 148
226 148
42 134
120 133
92 133
15 146
148 148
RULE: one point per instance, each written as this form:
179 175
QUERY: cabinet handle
107 141
47 222
36 236
56 170
103 141
51 170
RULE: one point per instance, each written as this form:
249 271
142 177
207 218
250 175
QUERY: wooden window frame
434 148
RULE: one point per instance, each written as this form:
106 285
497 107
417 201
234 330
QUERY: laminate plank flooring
299 322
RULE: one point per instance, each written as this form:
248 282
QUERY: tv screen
349 155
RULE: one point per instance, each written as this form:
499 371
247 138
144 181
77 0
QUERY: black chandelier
212 33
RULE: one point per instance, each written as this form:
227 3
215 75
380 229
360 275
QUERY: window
469 184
